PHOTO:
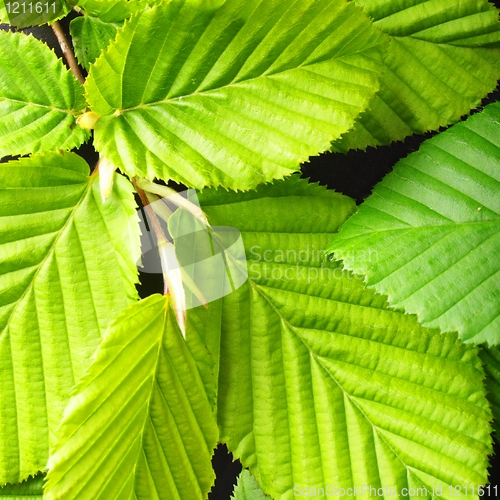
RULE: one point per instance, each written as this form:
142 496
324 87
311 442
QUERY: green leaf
433 227
248 488
319 382
31 489
443 58
90 37
25 13
139 423
464 24
491 362
39 98
220 93
67 268
93 32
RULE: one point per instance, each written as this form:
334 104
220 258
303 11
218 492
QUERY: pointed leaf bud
106 177
88 120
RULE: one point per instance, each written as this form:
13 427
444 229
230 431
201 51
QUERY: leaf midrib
455 225
439 44
45 106
174 100
434 25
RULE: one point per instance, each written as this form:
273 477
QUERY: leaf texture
443 58
39 98
139 424
31 489
491 362
216 93
67 268
248 488
433 226
320 384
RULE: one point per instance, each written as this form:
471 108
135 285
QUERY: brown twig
160 235
67 51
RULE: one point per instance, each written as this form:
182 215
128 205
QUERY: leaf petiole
172 279
175 198
67 51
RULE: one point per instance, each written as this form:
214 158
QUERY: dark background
354 174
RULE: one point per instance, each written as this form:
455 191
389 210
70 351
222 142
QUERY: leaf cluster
360 351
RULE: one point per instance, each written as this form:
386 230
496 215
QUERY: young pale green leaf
443 57
433 226
491 362
90 37
248 488
224 93
25 13
31 489
139 423
67 268
39 98
94 31
320 384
